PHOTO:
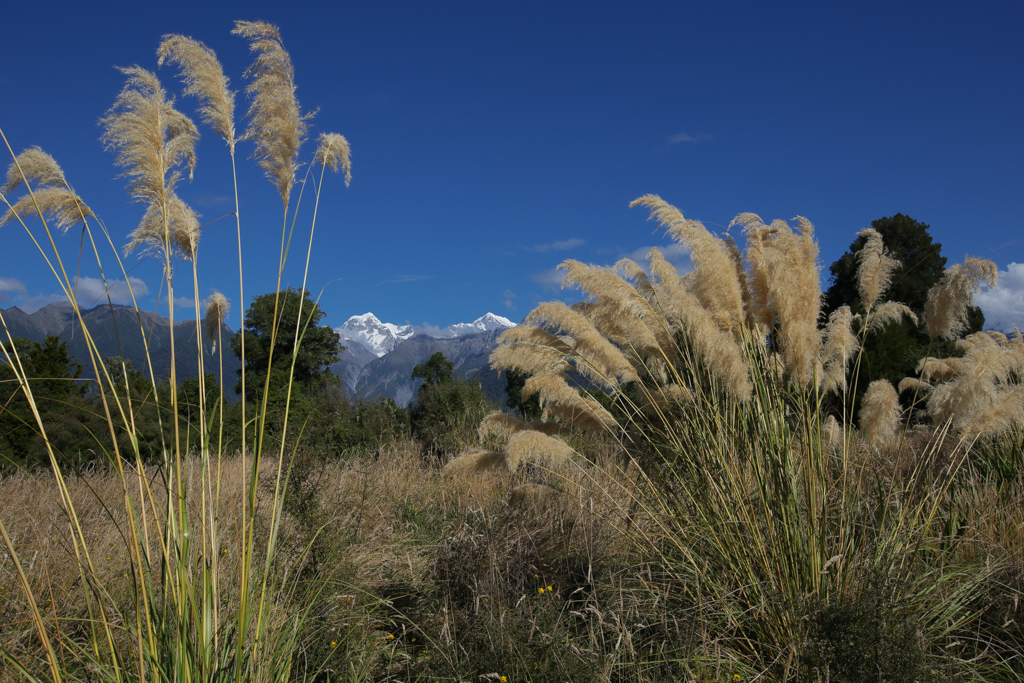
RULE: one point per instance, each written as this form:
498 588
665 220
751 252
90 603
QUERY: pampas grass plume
530 446
204 77
276 124
945 311
333 152
874 272
715 281
50 191
476 462
217 309
151 139
880 413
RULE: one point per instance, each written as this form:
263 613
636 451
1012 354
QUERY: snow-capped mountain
486 323
379 357
381 338
376 337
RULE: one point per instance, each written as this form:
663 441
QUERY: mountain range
377 361
118 331
379 357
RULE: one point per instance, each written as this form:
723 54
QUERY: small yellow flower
550 589
503 679
737 677
391 636
540 590
334 644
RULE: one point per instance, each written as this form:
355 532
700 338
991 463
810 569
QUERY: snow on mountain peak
380 338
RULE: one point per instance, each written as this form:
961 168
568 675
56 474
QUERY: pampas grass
204 79
477 462
333 152
276 124
880 413
945 311
530 446
50 194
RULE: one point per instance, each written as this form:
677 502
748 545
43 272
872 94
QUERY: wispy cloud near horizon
680 138
402 279
560 245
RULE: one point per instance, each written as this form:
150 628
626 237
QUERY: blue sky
492 140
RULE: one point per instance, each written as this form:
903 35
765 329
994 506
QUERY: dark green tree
318 349
52 375
516 381
448 410
437 370
893 352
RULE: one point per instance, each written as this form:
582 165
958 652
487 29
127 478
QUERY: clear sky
492 140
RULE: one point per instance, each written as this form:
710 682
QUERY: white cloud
402 279
549 279
509 300
9 286
686 137
31 304
561 245
1003 305
91 291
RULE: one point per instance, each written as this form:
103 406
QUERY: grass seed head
204 78
334 153
276 124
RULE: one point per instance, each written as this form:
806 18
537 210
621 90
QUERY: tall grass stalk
189 620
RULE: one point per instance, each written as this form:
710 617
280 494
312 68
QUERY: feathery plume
151 138
880 413
888 312
759 314
874 272
945 311
217 309
715 283
717 348
504 426
786 264
59 205
39 168
533 359
840 346
562 401
914 384
275 122
599 359
938 368
476 462
333 152
56 200
203 77
182 227
529 446
831 432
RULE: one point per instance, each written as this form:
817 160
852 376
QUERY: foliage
527 408
893 352
448 410
270 324
436 370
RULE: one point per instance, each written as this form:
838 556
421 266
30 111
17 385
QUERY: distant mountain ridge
377 361
118 331
379 357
